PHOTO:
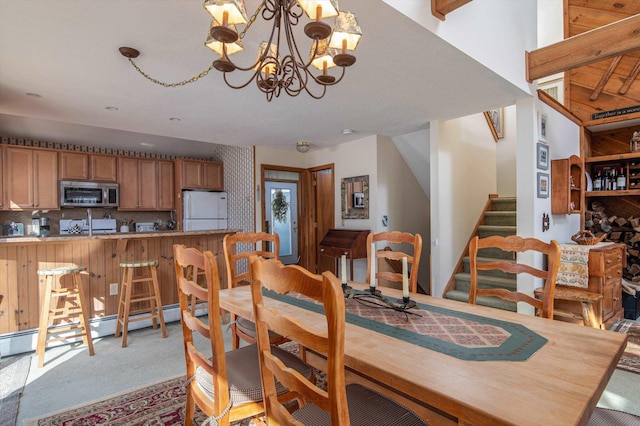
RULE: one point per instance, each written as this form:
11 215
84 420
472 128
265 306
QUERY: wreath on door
279 207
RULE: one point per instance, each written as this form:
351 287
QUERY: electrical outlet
113 289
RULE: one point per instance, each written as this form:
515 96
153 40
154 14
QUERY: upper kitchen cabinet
145 184
31 179
197 174
83 166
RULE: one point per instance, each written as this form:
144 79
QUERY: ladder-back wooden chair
235 261
340 404
225 385
514 243
391 259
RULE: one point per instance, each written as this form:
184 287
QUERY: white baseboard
26 340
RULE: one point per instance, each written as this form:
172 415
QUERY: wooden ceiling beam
615 39
439 8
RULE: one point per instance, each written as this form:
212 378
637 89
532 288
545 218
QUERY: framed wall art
542 126
543 185
542 156
495 120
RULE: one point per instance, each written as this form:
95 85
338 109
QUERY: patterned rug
630 360
157 405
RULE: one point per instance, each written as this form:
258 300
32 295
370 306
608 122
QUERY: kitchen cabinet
197 174
145 184
31 178
83 166
566 184
166 191
605 277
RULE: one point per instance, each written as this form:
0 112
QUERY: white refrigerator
204 210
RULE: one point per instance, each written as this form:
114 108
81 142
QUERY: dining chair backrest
189 263
235 261
516 244
327 339
260 244
393 257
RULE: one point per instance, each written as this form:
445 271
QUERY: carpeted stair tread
493 302
491 272
488 230
463 282
500 218
503 203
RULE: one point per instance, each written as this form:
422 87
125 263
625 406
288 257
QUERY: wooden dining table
456 363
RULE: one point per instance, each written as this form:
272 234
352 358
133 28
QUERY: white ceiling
67 52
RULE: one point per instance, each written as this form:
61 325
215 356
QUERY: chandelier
279 65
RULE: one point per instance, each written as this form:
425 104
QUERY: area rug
13 375
630 360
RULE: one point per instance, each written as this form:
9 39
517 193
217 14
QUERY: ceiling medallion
279 65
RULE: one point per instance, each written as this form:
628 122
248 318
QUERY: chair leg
127 305
44 320
121 300
158 301
84 316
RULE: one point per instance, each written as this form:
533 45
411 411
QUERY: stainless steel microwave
88 194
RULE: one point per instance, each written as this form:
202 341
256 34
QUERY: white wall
507 172
402 200
494 32
463 174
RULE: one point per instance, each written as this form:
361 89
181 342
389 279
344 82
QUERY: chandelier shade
346 32
227 11
218 46
327 8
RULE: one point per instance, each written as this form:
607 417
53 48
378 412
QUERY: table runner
574 264
459 334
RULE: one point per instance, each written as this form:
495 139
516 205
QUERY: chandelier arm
161 83
342 74
241 86
291 41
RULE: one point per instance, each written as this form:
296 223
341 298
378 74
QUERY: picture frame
542 156
543 126
543 185
355 197
495 120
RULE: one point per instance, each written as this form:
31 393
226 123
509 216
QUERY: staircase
499 219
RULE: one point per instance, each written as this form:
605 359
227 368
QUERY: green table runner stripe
519 346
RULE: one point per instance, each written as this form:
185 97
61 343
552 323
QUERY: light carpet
13 375
630 360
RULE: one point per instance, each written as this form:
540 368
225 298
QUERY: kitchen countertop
114 236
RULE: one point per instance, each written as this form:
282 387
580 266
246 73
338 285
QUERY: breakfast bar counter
101 254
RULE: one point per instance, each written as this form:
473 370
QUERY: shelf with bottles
615 176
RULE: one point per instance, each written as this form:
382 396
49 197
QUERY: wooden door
212 176
19 178
128 178
45 180
104 168
148 184
74 166
2 194
324 216
165 185
190 174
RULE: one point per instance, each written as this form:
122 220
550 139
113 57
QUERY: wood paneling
20 285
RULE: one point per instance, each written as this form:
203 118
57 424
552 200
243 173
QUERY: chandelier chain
251 21
180 83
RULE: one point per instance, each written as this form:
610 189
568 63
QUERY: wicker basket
586 238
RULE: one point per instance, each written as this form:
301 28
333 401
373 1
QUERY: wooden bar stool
72 310
150 297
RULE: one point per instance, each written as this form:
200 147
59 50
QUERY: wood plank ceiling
605 85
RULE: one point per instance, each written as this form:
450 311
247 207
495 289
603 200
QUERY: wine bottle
622 179
614 180
597 183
